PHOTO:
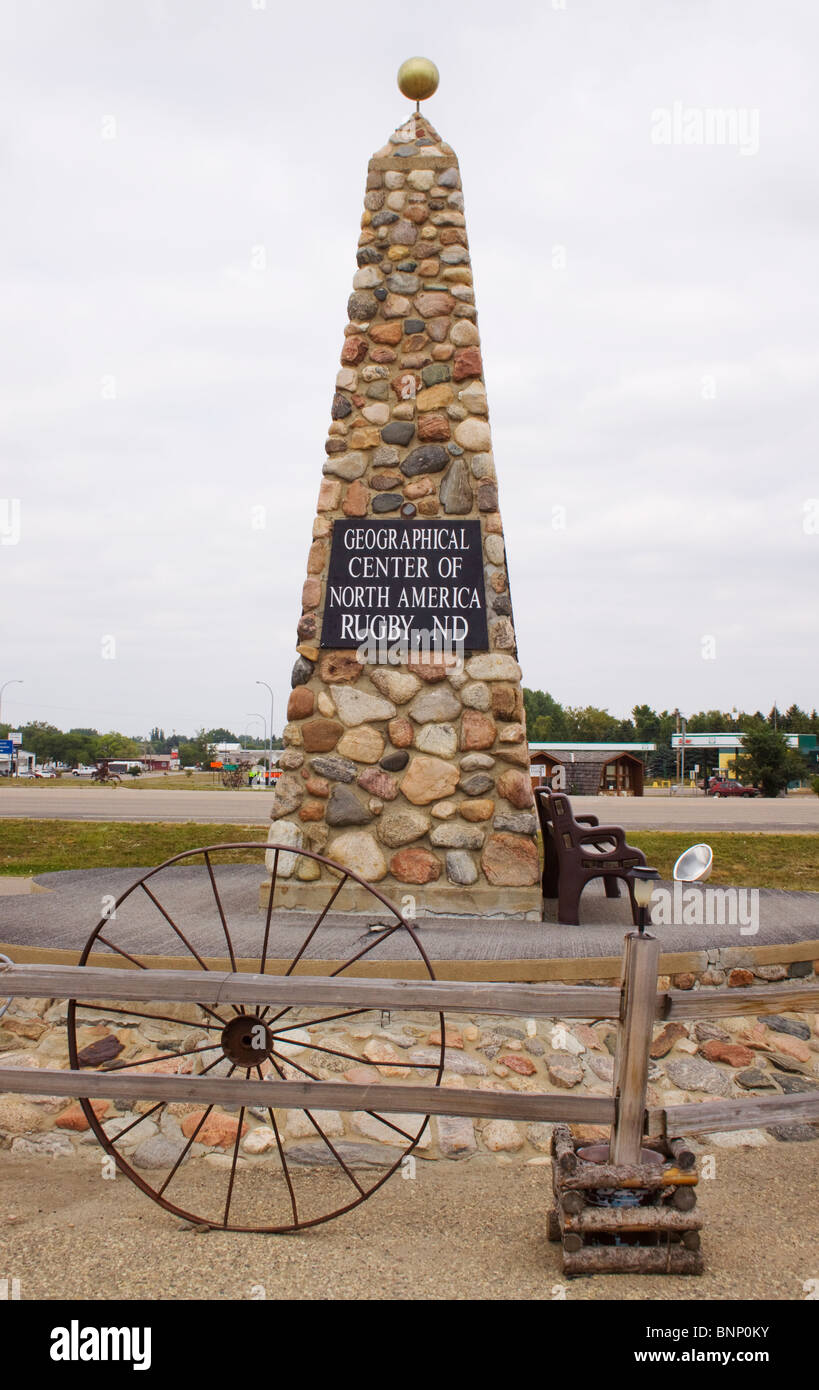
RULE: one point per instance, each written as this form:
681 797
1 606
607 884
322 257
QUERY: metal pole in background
270 749
2 688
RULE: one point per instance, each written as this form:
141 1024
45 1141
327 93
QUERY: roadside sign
230 767
6 748
216 764
15 737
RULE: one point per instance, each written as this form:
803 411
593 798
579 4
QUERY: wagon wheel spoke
221 911
282 1159
312 1022
314 1122
163 1057
171 923
235 1158
152 1018
192 1140
269 914
306 942
413 1138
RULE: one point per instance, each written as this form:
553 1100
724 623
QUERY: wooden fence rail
450 996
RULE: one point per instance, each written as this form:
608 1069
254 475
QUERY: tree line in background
87 746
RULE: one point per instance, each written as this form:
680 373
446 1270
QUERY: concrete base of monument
514 904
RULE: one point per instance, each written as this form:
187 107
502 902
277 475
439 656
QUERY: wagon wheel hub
247 1041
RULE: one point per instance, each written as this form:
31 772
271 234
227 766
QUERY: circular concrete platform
54 923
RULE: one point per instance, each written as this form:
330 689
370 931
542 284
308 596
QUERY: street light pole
270 746
2 688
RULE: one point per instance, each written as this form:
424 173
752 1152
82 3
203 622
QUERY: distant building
729 745
590 769
21 761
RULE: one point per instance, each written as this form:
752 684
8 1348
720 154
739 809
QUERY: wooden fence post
637 1013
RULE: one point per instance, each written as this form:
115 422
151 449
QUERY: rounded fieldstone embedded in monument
477 730
415 866
460 868
398 432
476 783
454 835
302 671
357 850
300 703
474 434
402 826
493 666
433 304
479 811
345 808
477 762
523 824
516 787
398 686
321 735
380 784
456 489
358 707
439 739
429 458
395 762
339 668
362 744
386 502
334 769
429 779
435 706
288 796
476 696
510 861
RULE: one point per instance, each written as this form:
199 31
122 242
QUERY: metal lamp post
2 688
643 880
270 745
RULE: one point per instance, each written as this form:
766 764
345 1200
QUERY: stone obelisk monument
406 754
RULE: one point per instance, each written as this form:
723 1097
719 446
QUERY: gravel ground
474 1230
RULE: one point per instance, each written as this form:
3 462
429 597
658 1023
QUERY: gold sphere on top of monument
418 78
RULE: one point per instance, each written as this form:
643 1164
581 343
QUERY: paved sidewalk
65 917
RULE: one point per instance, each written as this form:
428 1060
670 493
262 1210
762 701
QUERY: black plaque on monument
393 581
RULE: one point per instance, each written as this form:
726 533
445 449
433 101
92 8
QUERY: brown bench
577 849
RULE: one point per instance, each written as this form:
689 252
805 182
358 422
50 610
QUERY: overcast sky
648 314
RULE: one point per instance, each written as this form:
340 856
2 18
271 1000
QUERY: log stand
658 1235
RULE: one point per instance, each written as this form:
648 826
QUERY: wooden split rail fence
637 1005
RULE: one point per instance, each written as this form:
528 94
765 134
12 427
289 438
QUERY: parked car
730 787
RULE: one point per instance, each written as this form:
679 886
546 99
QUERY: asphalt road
793 814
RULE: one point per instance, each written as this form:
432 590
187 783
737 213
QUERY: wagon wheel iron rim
232 1040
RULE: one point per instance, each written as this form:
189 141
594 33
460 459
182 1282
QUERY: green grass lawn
41 846
38 846
747 861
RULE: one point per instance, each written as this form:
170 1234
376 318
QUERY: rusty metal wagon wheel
191 906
